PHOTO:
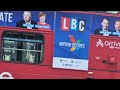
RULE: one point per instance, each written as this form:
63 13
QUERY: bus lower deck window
22 47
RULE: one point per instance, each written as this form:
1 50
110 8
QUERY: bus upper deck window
22 47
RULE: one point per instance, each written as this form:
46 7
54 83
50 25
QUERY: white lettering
73 23
6 17
81 25
115 44
61 44
10 17
67 44
1 16
110 44
64 24
73 45
106 43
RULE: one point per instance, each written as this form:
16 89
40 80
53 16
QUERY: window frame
22 32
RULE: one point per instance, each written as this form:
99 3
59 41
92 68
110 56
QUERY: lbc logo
68 24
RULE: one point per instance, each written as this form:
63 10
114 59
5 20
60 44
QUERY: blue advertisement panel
96 22
72 42
104 23
72 31
11 18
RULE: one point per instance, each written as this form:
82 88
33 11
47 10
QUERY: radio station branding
74 24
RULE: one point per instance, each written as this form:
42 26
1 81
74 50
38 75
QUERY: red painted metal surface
95 13
39 71
104 58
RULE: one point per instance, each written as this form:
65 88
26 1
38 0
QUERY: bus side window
26 48
9 54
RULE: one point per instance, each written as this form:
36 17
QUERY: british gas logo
72 24
74 44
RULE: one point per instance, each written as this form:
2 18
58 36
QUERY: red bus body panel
39 71
104 58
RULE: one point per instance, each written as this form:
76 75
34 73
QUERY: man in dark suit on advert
26 22
116 32
104 30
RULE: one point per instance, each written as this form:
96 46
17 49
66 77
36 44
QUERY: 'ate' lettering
6 17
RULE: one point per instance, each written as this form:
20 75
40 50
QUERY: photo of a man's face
26 16
117 25
105 24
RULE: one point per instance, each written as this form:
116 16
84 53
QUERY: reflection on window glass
22 47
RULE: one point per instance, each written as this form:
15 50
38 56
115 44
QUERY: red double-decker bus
28 54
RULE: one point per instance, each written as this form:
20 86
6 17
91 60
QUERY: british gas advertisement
71 32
